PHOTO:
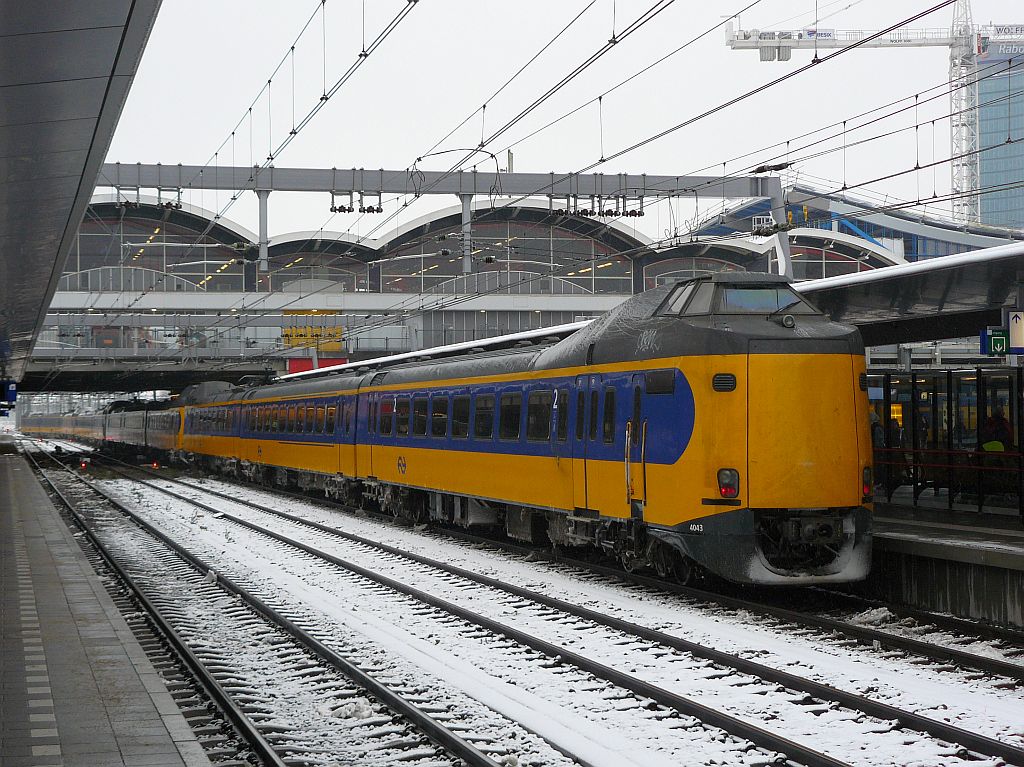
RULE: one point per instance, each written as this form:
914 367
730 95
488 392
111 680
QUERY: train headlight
728 483
868 485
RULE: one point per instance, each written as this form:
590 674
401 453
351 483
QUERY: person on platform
997 434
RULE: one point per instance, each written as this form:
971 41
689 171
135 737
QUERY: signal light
728 483
868 484
84 464
155 464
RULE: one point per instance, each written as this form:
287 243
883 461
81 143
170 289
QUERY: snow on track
348 619
395 622
965 698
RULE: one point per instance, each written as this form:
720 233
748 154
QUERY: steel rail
433 729
951 623
970 740
863 634
242 724
734 726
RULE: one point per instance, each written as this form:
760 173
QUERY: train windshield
761 300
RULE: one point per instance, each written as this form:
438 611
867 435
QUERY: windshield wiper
790 305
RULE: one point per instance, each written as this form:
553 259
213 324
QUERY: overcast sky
208 59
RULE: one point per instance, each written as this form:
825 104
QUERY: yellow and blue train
715 425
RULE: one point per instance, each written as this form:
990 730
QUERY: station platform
76 688
965 563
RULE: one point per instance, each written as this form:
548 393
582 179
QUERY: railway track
817 698
295 700
222 728
946 654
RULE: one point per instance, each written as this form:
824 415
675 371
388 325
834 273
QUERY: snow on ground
313 709
886 675
597 722
563 698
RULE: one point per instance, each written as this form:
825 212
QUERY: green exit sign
998 342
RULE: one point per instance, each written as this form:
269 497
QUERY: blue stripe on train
670 419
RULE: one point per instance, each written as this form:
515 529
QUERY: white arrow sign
1015 322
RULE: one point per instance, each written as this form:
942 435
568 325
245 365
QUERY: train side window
310 419
608 430
439 417
701 301
562 428
371 425
581 414
483 422
252 418
291 419
538 416
273 419
511 415
320 414
419 416
460 417
674 303
593 415
402 417
387 415
332 415
282 419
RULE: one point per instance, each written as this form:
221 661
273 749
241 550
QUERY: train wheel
683 571
631 563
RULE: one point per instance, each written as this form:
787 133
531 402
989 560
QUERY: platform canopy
65 70
932 299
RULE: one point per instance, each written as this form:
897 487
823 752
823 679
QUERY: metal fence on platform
949 438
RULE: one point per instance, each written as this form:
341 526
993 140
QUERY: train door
562 444
365 466
636 448
579 441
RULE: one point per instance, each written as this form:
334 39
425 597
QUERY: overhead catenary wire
638 23
444 302
708 240
774 82
309 116
865 139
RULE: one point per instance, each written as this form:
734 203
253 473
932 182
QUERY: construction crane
963 42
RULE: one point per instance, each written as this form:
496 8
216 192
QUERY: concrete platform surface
76 689
992 540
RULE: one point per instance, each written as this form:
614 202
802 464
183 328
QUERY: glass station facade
1001 133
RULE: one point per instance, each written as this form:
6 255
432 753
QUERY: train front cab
785 485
